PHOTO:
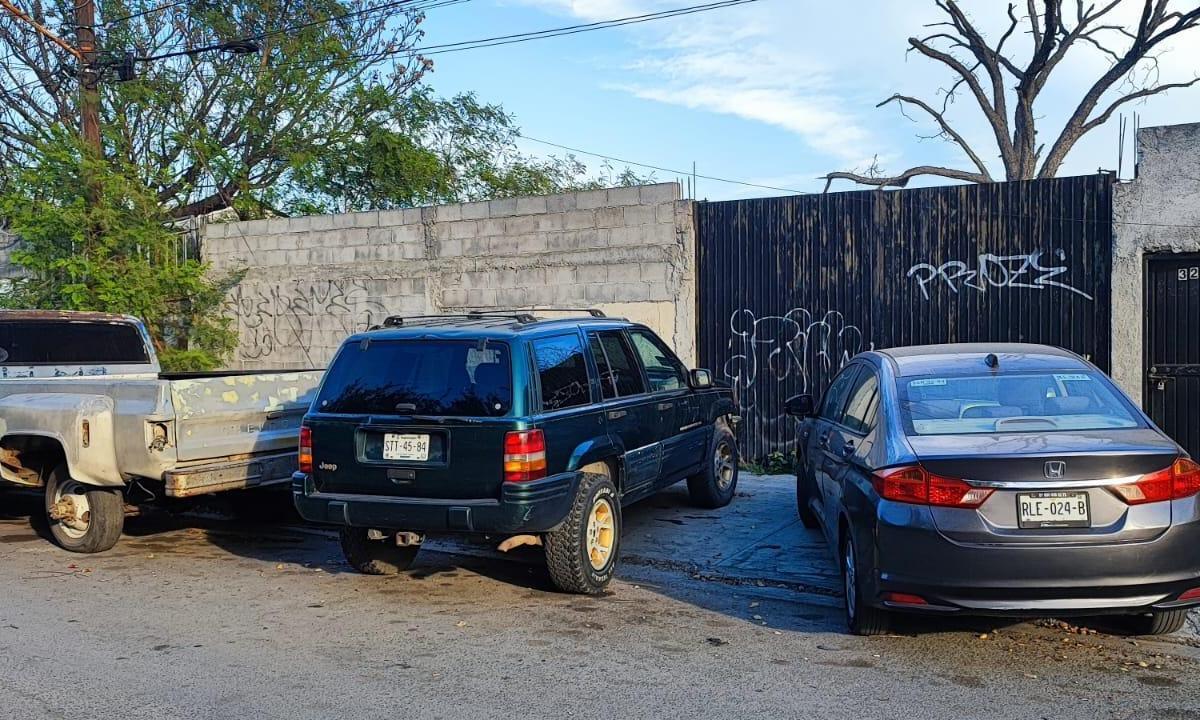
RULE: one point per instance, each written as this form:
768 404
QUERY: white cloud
817 69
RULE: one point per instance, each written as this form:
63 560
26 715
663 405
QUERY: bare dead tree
1006 91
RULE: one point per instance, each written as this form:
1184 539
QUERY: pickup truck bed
83 391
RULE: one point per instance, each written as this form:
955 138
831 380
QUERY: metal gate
791 288
1172 361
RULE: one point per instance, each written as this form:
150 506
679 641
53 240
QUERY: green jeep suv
505 424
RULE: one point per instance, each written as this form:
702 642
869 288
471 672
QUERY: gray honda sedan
997 479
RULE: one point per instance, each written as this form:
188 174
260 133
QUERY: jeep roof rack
523 317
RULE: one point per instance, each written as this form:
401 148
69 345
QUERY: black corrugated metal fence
791 288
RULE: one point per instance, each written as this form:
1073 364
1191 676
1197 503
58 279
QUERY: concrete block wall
1158 212
310 281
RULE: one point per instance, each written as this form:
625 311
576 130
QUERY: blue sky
776 92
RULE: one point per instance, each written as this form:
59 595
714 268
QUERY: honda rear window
419 377
1012 402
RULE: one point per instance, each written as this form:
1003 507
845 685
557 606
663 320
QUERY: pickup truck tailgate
231 415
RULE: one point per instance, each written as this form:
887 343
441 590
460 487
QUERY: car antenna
992 361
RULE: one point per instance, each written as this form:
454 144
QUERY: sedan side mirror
800 406
700 379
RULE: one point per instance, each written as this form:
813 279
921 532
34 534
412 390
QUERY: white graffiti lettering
995 271
795 349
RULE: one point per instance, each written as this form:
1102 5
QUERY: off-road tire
709 488
1163 622
807 517
566 548
376 557
106 515
862 618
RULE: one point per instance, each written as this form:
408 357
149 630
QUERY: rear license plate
405 447
1054 510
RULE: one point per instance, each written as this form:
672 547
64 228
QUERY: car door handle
823 441
616 414
848 448
666 405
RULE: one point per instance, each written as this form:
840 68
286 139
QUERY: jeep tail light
916 485
306 464
1193 594
524 456
1179 481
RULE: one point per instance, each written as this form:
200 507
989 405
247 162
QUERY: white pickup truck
86 413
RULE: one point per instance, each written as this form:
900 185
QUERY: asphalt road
725 614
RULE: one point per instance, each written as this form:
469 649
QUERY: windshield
419 377
1004 403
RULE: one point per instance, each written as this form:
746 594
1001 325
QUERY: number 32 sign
1192 273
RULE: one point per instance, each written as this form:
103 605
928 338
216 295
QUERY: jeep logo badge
1056 469
330 467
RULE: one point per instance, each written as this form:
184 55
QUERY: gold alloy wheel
601 533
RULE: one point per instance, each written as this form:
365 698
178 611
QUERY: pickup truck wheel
582 554
83 518
715 485
376 557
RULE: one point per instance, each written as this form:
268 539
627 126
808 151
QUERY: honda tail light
306 463
916 485
524 456
1179 481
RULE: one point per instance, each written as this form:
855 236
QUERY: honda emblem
1056 469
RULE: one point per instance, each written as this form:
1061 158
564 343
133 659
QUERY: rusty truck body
87 414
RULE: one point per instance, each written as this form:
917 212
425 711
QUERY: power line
149 11
496 40
687 173
410 5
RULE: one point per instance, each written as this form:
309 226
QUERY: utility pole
89 76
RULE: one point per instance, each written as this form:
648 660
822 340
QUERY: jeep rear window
419 377
39 342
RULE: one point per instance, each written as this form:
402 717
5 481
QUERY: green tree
427 150
119 255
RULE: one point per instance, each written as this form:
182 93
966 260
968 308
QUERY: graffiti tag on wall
282 321
798 349
996 271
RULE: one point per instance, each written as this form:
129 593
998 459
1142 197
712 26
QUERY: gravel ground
204 618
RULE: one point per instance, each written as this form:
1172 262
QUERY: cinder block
660 193
617 292
640 215
654 271
474 280
448 213
659 291
212 231
591 199
412 251
343 220
591 274
368 219
474 210
291 241
531 205
624 273
560 275
450 248
570 294
388 218
456 297
414 216
482 298
578 220
562 203
548 223
520 225
609 217
464 229
491 228
502 208
321 222
624 196
476 247
504 245
513 297
593 238
356 236
277 226
254 227
408 234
